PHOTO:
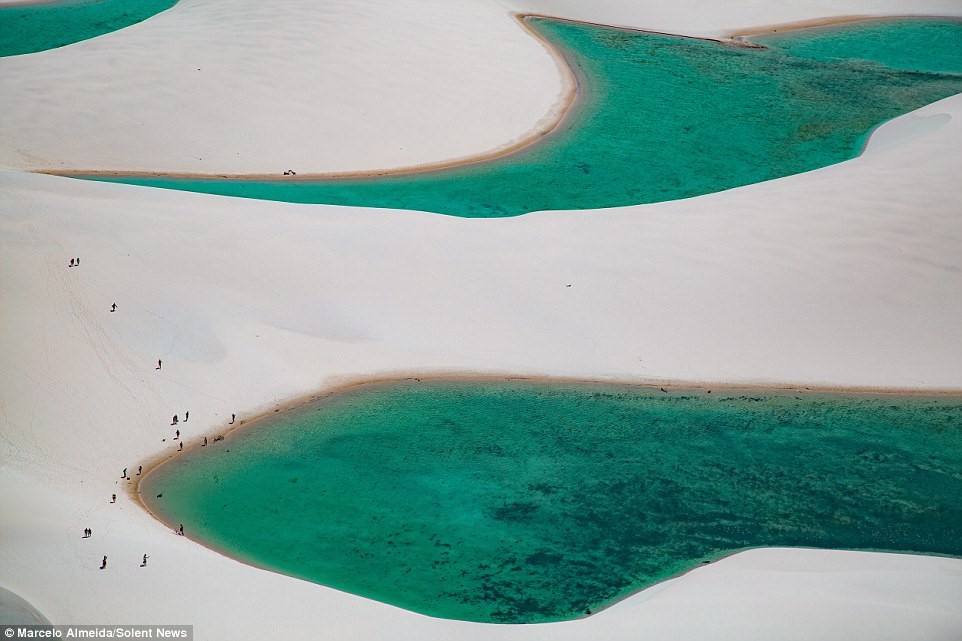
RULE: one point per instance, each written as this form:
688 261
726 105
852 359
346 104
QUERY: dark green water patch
28 28
523 502
663 118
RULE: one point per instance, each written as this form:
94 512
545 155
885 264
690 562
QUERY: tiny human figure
232 416
159 364
205 442
124 475
71 262
86 533
144 564
113 307
180 530
78 262
173 421
176 432
103 563
186 416
140 468
113 498
181 446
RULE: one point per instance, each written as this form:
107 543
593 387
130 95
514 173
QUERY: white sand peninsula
846 276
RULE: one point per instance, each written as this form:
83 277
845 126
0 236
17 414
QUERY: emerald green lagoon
28 28
663 117
529 502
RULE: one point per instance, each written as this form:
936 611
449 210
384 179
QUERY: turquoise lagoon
28 28
529 502
663 117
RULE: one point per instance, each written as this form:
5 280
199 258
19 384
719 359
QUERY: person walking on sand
144 564
186 415
176 432
173 421
78 262
180 530
103 563
232 418
205 442
71 262
159 364
124 475
113 307
140 468
181 446
113 498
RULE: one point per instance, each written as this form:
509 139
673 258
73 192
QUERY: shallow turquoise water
665 117
912 44
37 27
524 502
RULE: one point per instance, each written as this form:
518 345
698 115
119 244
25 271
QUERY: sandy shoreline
802 25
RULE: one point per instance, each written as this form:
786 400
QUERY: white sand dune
250 87
846 276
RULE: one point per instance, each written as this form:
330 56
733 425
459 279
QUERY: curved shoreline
557 118
257 416
552 121
154 463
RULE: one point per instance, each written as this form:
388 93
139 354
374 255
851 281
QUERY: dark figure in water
103 563
232 418
113 307
159 364
144 564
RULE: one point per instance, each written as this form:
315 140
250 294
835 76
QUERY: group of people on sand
88 532
103 563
